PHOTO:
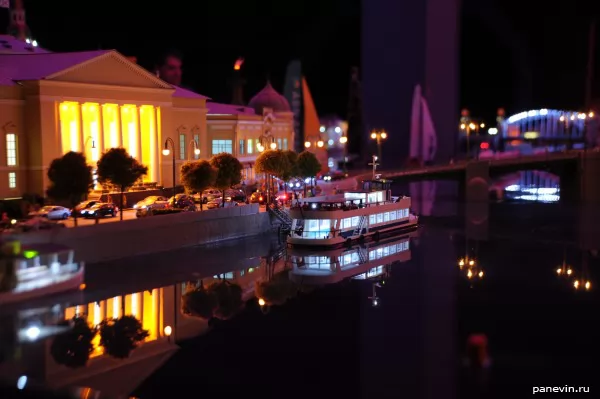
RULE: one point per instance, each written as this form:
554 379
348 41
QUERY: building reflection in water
26 352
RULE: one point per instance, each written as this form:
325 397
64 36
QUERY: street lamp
166 153
265 142
193 143
95 170
468 127
315 140
343 141
87 141
378 136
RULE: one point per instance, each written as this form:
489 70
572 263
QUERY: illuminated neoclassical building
52 103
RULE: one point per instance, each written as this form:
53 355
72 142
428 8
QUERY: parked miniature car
235 195
208 195
52 212
101 210
83 205
181 201
148 204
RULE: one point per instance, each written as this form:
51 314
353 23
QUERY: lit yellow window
11 149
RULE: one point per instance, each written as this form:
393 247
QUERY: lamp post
267 142
468 127
378 136
343 141
166 153
314 140
87 140
194 144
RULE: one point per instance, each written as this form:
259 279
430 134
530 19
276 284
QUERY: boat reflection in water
361 261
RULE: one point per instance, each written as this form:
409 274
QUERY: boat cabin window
377 185
355 196
375 197
316 228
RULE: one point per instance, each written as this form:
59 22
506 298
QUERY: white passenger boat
360 261
36 271
341 219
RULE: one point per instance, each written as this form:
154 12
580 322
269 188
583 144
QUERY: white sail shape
428 135
415 124
423 147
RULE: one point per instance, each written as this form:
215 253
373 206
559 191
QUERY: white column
139 133
100 142
157 150
81 130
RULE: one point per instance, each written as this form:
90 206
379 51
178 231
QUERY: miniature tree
74 347
121 336
229 172
308 166
120 169
273 163
198 176
228 297
70 179
292 171
199 302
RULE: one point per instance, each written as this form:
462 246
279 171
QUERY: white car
53 212
207 195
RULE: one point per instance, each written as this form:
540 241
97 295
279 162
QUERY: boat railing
349 205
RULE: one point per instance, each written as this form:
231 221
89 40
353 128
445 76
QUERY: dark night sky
517 54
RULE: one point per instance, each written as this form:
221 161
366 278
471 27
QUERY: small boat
360 261
354 216
39 270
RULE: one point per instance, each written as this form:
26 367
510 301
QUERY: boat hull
72 283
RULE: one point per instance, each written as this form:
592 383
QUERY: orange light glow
150 313
70 133
238 64
148 140
129 129
110 121
148 310
91 131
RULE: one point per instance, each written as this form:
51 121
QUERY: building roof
228 109
185 93
17 67
269 98
11 45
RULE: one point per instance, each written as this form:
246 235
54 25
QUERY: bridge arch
547 126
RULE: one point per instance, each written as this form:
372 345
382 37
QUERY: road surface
127 215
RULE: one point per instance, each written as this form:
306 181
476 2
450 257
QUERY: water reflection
393 303
69 343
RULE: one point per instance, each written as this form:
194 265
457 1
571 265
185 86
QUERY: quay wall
122 239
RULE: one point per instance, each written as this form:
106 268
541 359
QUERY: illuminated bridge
548 128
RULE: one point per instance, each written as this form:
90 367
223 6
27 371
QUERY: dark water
333 342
